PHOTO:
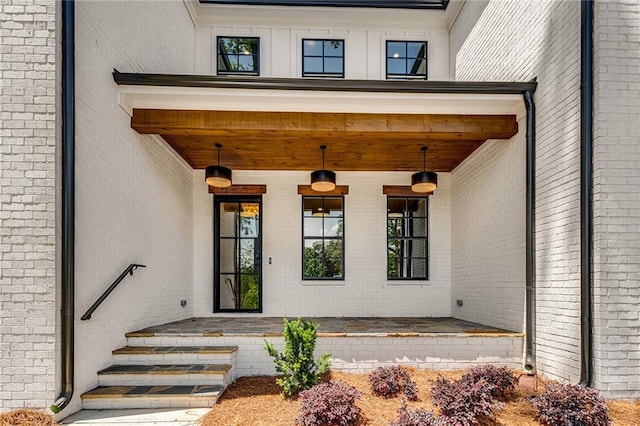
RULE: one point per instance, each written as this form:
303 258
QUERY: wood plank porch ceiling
256 140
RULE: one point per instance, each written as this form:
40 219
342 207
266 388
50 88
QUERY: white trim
231 99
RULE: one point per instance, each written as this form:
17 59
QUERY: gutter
68 204
586 189
530 280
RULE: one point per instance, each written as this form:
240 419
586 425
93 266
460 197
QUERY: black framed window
406 60
238 55
407 238
322 58
322 238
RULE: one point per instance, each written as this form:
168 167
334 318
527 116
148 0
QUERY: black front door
238 254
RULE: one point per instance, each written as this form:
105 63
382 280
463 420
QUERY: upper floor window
238 55
407 238
407 60
322 58
322 238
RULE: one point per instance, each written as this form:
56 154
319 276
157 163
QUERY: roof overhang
278 124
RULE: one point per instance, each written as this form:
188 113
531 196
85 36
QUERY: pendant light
218 176
323 180
424 181
318 211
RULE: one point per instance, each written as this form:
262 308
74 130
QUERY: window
407 60
322 58
238 55
322 238
407 238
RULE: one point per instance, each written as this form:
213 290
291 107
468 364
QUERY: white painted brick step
166 374
149 355
122 397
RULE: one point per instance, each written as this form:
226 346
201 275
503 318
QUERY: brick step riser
164 379
148 402
165 359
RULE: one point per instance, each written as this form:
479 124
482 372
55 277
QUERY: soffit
367 125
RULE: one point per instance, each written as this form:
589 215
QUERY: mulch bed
26 417
256 401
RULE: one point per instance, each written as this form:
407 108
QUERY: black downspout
529 364
68 203
586 184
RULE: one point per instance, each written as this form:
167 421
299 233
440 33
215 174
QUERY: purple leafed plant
328 404
503 380
388 382
464 403
570 405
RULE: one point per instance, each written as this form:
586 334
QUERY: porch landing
327 327
355 344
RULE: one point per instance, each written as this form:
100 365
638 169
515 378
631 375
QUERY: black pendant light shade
218 176
424 181
323 180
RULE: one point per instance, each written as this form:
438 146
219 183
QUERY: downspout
529 364
586 185
68 204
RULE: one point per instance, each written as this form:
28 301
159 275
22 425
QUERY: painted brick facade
488 234
519 41
365 290
617 199
133 193
28 194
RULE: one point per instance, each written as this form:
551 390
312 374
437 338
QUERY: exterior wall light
424 181
218 176
323 180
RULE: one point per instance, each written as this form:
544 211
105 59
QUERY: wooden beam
338 191
239 190
402 191
253 124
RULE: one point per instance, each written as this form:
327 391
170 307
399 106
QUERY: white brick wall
133 193
365 290
519 40
488 234
617 199
28 191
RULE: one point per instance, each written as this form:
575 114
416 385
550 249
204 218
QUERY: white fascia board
269 100
310 16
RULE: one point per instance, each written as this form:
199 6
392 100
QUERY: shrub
327 404
418 417
463 403
503 380
297 363
570 405
388 382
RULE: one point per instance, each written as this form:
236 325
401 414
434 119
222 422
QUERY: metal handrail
132 267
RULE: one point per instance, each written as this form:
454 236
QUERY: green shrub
300 370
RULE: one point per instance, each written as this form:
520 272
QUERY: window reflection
322 58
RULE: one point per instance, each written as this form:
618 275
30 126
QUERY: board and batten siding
364 32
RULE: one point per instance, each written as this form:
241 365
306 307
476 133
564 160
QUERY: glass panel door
238 254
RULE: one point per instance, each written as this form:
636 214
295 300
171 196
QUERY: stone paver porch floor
328 326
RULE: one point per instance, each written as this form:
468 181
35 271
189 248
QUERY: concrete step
166 374
161 396
150 355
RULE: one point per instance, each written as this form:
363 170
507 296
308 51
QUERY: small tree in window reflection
324 260
232 49
394 247
325 263
248 278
